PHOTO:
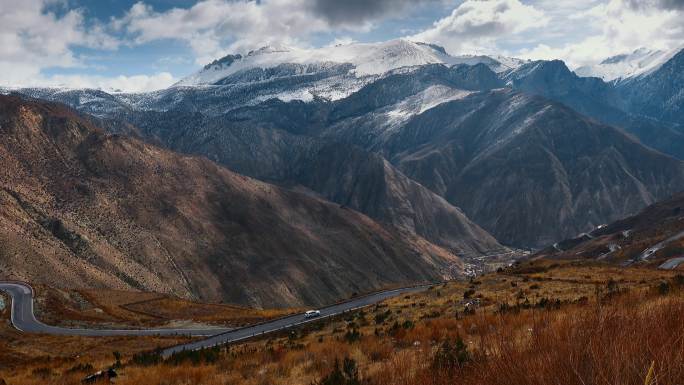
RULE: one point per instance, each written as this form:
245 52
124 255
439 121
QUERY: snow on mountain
425 100
279 72
507 63
640 62
366 59
94 101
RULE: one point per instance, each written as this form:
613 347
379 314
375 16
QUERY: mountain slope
265 142
626 67
660 94
526 169
370 184
328 73
606 102
655 236
432 122
86 209
494 154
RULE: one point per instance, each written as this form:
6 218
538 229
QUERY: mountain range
455 158
103 210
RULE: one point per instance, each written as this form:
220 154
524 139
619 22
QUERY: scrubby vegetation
566 325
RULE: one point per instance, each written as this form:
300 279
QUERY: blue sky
150 44
174 55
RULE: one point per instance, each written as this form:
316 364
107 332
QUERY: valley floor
539 322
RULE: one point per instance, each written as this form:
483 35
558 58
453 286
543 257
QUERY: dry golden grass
563 324
173 308
613 344
21 355
117 308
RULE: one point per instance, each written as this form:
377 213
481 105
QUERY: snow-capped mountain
638 63
276 72
660 94
357 63
475 130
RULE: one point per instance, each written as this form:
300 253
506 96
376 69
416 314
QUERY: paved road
672 263
284 323
653 249
24 320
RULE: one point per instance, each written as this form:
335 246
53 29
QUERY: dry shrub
609 344
403 368
291 360
324 355
164 375
376 349
428 331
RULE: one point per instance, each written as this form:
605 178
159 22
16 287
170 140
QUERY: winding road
670 264
23 319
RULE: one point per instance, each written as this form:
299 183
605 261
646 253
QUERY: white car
312 314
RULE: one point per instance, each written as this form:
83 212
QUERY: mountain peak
267 49
436 47
362 60
538 71
639 62
225 61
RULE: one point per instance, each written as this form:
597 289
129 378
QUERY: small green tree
612 286
664 287
348 374
381 317
394 328
117 359
451 356
352 335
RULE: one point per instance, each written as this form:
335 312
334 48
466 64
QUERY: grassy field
113 308
44 359
539 323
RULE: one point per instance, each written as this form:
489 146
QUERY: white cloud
580 32
27 29
618 27
212 27
32 39
483 25
121 83
135 83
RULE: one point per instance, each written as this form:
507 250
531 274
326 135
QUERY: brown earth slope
653 236
264 143
81 208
